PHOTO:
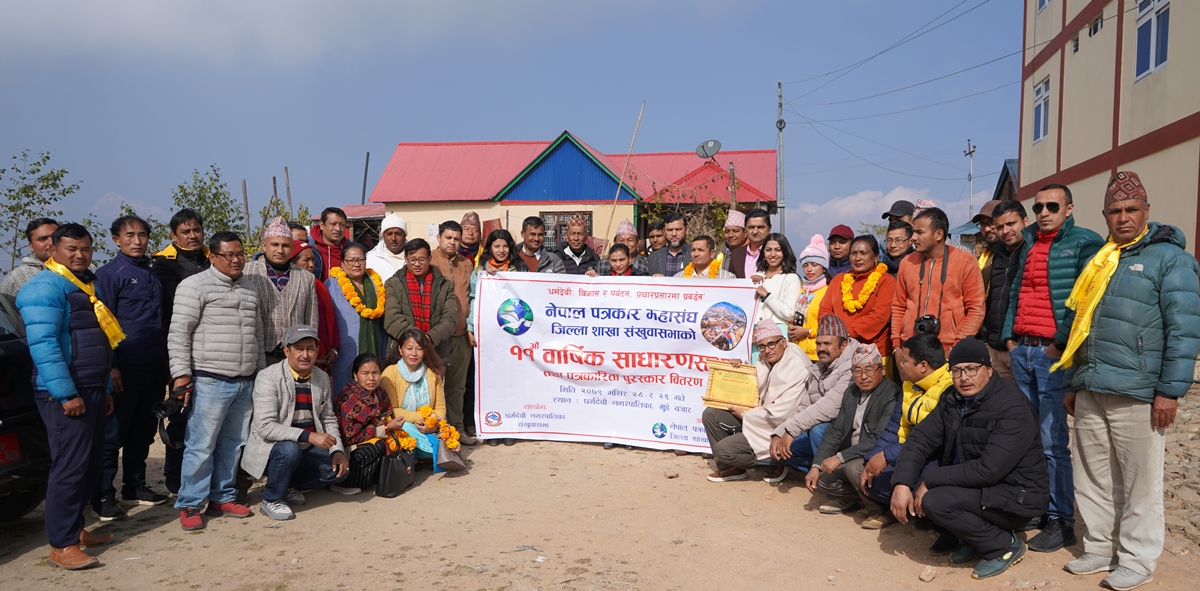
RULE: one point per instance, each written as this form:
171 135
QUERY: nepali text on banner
604 359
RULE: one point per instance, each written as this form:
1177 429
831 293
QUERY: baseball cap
985 211
841 231
900 208
298 333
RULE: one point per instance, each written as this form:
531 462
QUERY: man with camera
939 289
130 289
1036 328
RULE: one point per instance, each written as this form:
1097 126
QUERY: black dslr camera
928 324
173 404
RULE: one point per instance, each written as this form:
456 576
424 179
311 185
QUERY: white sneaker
344 490
777 478
277 510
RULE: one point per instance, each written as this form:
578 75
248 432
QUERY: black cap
900 209
970 350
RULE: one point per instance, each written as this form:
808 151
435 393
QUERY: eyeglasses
764 347
862 372
232 256
897 240
968 370
417 261
1053 206
353 261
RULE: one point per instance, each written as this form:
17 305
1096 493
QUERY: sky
130 96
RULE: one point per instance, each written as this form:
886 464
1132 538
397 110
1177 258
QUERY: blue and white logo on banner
515 317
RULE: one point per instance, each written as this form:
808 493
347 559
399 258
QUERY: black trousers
131 427
959 511
469 395
76 444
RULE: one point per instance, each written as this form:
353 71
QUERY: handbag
364 464
395 472
448 459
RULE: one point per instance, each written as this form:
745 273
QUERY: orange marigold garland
713 268
853 304
446 432
352 296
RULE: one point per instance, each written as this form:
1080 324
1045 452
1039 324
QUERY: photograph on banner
604 359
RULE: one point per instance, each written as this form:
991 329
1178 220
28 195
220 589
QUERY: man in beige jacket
741 438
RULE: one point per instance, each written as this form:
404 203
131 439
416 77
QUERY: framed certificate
730 386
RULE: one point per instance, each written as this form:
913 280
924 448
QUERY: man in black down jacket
1009 219
991 475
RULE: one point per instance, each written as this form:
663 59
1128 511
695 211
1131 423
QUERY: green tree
209 196
33 190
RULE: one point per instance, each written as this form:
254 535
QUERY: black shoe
609 445
1035 523
107 509
142 495
963 555
172 484
945 544
493 442
510 441
1057 534
994 566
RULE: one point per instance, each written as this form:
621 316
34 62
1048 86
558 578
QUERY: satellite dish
708 149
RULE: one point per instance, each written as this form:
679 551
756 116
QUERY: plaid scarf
421 299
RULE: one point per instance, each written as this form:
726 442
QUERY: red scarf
628 272
421 299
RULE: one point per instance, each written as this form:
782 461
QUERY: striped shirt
302 416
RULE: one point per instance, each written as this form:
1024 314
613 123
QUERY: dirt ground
538 515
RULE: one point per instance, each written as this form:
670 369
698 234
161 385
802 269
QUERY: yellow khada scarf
1089 288
108 322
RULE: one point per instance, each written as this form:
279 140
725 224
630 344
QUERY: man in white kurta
739 439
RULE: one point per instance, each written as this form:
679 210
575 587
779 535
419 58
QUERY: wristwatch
69 398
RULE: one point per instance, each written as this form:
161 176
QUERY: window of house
556 226
1041 110
1153 28
1075 44
1042 4
1094 28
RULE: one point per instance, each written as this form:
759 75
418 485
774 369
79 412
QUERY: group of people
988 356
306 364
931 384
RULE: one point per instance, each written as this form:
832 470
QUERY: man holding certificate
739 439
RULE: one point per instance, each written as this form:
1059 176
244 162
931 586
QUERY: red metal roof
708 183
478 171
650 173
452 171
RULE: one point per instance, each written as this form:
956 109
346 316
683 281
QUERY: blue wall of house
566 174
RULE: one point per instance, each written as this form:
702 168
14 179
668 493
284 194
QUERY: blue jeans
292 467
216 433
804 448
1031 372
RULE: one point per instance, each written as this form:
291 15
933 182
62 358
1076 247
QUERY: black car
24 450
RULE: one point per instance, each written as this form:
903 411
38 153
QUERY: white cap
393 221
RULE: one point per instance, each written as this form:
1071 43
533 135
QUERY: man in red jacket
939 289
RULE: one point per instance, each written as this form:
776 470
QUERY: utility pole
779 198
366 166
287 183
970 154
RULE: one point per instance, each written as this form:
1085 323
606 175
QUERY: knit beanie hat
815 252
970 350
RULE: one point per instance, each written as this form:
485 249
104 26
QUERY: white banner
604 359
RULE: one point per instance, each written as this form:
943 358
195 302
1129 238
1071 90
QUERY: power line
954 100
922 83
910 37
887 146
839 146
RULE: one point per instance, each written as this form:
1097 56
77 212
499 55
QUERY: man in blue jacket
71 336
1130 355
131 290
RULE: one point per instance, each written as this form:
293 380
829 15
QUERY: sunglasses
1053 206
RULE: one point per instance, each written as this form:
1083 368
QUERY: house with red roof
430 182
